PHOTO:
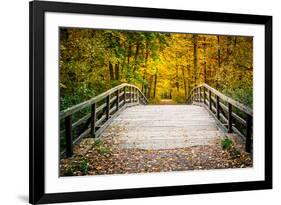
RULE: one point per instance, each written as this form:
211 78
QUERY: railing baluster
131 89
107 106
93 119
229 118
224 112
68 136
204 95
249 133
134 97
89 121
200 94
124 94
117 99
218 106
210 100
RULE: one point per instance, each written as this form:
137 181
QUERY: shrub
84 167
226 144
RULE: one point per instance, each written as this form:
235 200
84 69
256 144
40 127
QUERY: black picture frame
37 9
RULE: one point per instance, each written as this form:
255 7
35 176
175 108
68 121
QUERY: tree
161 64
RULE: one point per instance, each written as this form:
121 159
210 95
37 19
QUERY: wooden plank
117 99
199 94
85 118
99 121
124 94
107 107
230 100
122 102
96 99
82 135
112 99
238 132
68 136
163 127
249 134
93 119
218 107
234 115
223 97
210 100
204 95
101 107
229 118
107 123
112 110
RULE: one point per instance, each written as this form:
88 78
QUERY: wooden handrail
226 111
100 116
98 98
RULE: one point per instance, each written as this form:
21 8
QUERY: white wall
14 100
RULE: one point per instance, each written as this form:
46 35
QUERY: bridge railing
94 115
231 115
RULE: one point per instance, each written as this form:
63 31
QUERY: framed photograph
141 102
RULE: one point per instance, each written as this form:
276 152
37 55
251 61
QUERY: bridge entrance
124 134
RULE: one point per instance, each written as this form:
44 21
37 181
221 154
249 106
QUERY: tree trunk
117 71
189 79
111 73
195 58
129 52
177 79
170 93
205 62
219 63
145 64
184 82
136 56
150 86
155 84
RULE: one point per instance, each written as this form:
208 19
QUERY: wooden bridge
207 115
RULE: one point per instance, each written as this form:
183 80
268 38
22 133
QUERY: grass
99 146
82 166
228 145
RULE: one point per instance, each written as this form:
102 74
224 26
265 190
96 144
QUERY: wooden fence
101 110
231 115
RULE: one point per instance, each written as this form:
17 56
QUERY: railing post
199 94
204 95
210 100
249 133
117 99
124 94
137 95
229 118
93 119
107 106
131 89
68 136
218 106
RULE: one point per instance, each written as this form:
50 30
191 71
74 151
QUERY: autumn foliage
163 65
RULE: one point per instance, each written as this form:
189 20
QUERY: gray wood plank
164 127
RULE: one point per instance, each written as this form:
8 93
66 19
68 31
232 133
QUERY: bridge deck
164 127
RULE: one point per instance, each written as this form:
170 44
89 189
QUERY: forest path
167 102
155 127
